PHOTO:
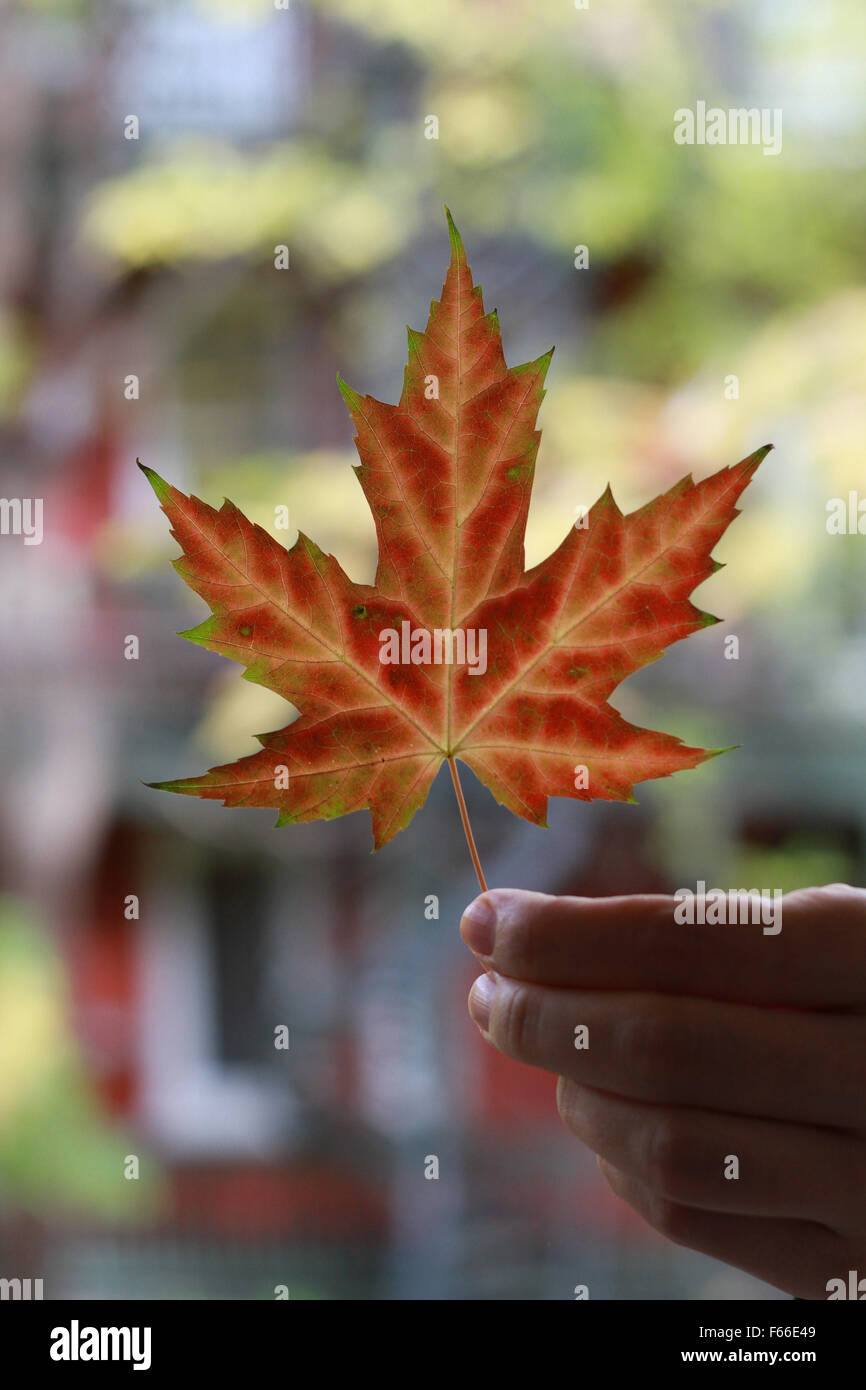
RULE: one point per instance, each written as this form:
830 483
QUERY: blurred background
153 1140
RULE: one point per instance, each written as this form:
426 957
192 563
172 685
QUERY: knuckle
517 1021
649 1049
840 897
521 922
849 902
514 946
665 1158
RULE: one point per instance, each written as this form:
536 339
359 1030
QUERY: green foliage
57 1150
555 125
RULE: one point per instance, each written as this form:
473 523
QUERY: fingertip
478 925
481 1000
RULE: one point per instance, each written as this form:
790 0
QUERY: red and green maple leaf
448 474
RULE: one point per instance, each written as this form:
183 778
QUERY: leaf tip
543 362
201 633
159 485
717 752
752 461
458 250
351 397
607 499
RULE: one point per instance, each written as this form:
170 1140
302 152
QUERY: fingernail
478 926
480 999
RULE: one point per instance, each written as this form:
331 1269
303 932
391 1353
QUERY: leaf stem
464 816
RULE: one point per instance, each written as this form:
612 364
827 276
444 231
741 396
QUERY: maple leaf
447 473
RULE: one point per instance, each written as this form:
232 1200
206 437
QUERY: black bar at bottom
219 1339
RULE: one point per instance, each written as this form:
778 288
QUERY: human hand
705 1044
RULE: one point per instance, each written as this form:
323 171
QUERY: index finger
816 960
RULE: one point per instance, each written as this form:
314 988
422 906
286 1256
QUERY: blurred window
236 906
